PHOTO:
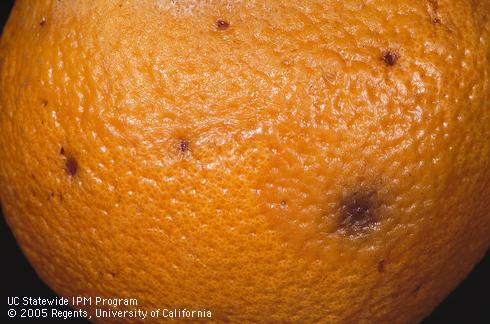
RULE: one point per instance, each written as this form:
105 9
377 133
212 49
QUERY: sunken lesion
417 288
390 57
184 146
71 163
358 212
433 11
71 166
222 24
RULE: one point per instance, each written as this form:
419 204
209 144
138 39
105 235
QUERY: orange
269 161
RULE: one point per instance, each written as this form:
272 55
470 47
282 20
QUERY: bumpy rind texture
313 161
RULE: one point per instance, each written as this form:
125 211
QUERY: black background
469 303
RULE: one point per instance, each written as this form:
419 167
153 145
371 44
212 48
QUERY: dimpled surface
312 161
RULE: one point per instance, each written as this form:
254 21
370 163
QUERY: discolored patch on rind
433 11
71 166
417 288
222 24
183 146
358 212
389 57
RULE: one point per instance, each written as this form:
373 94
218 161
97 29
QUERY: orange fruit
268 161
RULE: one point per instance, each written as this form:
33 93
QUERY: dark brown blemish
50 195
62 150
184 146
390 58
416 290
358 212
44 102
283 203
381 266
222 24
42 21
71 166
433 10
113 274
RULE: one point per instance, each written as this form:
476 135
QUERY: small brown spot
184 146
50 195
381 266
433 11
42 21
222 24
44 102
389 57
358 212
62 150
283 203
417 288
113 275
71 166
